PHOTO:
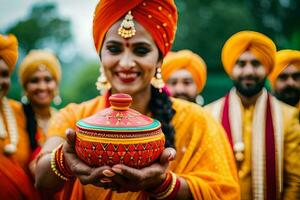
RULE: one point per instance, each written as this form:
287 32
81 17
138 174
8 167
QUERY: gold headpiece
127 29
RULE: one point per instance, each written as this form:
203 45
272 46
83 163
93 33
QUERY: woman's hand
85 173
131 179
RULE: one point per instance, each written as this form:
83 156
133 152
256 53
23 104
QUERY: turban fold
9 50
188 60
158 17
34 60
283 59
260 45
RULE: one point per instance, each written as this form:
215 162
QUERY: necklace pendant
10 149
239 156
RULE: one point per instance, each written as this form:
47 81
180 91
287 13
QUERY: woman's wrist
59 165
168 189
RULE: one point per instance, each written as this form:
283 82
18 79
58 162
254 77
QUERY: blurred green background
204 26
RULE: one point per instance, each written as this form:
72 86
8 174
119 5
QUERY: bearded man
264 133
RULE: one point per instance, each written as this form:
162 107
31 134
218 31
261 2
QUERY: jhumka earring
24 99
157 80
127 29
57 99
102 84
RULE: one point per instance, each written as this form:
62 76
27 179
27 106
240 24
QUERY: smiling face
4 78
129 64
248 74
41 88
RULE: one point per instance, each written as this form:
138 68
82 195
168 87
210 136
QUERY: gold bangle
53 165
170 189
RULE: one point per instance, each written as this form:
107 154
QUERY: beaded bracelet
58 165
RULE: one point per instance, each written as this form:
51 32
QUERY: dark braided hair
161 109
31 124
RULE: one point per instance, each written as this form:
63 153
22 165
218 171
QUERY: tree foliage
83 86
280 19
42 28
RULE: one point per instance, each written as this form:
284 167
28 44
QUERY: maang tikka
127 29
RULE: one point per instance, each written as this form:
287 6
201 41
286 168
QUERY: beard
251 90
185 97
289 95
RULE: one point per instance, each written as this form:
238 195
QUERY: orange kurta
204 157
15 183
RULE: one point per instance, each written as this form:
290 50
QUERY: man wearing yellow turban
285 77
185 75
14 144
264 133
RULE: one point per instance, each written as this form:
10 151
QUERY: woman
131 44
14 143
39 74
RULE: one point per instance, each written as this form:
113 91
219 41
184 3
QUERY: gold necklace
11 128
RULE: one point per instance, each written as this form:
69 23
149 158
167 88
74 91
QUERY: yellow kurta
204 157
291 158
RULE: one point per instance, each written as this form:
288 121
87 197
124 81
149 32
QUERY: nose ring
133 64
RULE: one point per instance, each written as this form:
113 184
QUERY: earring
57 99
102 84
24 99
157 81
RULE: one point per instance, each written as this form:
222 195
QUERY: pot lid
119 118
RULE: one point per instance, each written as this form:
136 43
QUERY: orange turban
158 17
9 50
34 60
283 59
259 44
185 59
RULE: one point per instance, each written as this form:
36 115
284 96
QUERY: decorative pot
119 135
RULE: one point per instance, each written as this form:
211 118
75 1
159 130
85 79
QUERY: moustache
252 78
183 96
290 89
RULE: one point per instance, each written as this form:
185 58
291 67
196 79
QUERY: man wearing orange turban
264 133
185 75
132 37
14 144
285 77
